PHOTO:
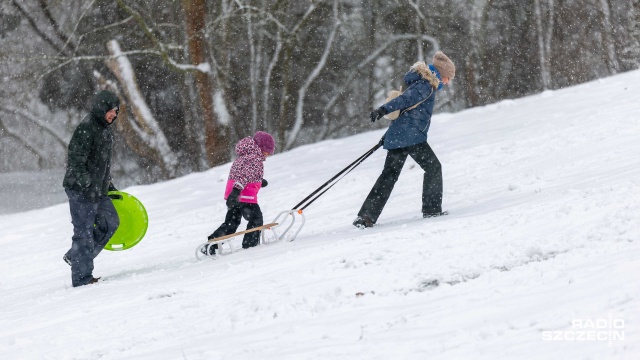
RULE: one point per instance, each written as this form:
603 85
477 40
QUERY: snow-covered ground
538 259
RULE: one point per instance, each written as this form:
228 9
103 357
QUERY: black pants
94 223
251 213
431 184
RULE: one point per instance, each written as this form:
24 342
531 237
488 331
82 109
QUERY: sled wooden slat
224 237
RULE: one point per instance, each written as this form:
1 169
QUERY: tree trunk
608 37
284 96
544 42
215 139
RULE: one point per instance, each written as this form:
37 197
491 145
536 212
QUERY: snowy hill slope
541 248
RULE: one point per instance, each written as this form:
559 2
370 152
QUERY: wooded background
195 76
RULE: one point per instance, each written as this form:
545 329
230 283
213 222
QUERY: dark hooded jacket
411 127
89 156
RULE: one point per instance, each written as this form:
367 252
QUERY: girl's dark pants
93 225
431 183
251 213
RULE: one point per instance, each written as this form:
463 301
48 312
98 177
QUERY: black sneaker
434 214
67 259
90 282
363 222
212 249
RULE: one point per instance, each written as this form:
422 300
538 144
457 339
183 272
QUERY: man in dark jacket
407 136
87 182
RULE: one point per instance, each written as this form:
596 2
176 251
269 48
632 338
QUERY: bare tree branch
75 28
162 49
24 141
54 24
62 140
348 80
34 25
293 134
145 125
286 81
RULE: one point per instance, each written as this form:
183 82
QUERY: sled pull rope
343 172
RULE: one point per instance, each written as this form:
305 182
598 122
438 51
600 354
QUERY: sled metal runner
202 251
287 219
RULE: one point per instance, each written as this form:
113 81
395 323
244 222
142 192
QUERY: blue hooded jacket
411 127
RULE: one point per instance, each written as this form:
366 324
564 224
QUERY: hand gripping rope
297 211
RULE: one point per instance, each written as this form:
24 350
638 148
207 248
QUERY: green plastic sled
133 222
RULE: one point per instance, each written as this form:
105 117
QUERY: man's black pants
94 223
431 183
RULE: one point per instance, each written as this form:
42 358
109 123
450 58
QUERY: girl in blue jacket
407 136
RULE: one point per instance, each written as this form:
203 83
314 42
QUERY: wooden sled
202 250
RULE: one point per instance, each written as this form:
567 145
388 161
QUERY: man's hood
102 103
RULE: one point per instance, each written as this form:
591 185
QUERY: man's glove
381 142
378 113
264 183
111 187
234 198
113 196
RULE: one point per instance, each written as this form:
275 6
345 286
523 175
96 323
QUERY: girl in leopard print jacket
247 171
241 193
